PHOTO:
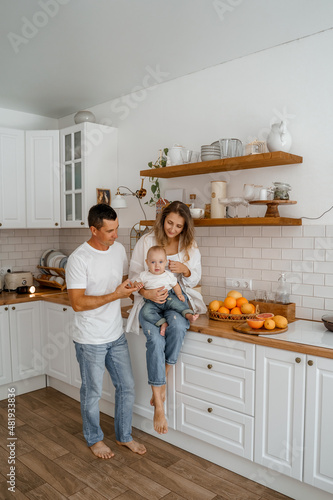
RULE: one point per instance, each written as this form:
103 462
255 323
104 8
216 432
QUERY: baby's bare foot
100 450
163 328
134 446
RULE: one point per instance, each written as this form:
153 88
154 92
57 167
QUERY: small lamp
120 202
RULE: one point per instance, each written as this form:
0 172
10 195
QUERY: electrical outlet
5 270
235 283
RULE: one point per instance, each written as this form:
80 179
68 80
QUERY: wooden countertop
203 325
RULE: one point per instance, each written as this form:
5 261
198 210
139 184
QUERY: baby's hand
137 284
181 297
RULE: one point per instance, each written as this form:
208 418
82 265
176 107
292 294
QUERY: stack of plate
210 152
53 258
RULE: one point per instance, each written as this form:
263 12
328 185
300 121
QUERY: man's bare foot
100 450
162 395
191 317
134 446
163 328
160 423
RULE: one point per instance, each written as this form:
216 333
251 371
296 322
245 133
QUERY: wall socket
235 283
5 270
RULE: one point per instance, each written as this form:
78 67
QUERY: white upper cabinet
43 178
88 161
12 179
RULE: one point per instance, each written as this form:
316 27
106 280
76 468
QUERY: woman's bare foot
160 422
163 328
134 446
100 450
163 395
191 317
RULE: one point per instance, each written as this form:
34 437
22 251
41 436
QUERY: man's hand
126 288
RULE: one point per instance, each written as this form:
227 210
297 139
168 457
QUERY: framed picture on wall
104 196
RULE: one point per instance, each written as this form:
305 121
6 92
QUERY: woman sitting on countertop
174 231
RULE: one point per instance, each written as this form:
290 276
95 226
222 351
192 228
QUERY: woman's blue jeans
92 360
161 350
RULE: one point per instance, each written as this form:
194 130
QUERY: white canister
219 190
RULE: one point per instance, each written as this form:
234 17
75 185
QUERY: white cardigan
138 264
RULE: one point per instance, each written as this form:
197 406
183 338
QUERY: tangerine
224 310
235 294
214 305
241 301
235 310
230 302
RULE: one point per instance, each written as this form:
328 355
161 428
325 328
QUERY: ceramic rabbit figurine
279 138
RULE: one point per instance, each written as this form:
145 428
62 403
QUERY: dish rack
49 272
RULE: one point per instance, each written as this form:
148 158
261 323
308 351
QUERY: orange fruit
265 315
269 324
248 308
230 302
280 321
255 323
214 305
241 301
235 294
235 310
221 303
224 310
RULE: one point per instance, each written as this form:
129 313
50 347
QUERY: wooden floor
53 461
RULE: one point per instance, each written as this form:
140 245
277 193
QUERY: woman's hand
158 295
178 267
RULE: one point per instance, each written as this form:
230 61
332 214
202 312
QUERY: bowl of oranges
234 307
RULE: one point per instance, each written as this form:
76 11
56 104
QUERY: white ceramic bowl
197 213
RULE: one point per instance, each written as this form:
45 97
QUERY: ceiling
60 56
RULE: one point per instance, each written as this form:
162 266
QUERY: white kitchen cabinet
280 398
318 453
56 323
215 392
5 356
25 339
43 178
88 161
12 179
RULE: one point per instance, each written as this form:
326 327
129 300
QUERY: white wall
240 99
26 121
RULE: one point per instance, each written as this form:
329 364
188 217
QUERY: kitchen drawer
226 429
225 385
228 351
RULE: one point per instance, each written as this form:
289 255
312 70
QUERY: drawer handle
310 362
298 360
13 308
209 366
64 308
82 223
56 224
210 410
209 340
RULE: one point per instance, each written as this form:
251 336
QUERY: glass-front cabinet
88 163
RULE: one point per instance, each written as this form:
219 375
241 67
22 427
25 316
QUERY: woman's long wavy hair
187 234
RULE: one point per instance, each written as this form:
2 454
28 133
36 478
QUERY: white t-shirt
151 281
99 273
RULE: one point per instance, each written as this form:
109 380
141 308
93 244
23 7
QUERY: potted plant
155 185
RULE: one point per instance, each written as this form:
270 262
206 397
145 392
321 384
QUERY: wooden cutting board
245 328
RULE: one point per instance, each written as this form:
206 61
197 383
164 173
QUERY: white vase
84 116
279 138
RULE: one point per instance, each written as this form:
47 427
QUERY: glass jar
281 190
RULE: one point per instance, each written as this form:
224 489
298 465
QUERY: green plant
155 185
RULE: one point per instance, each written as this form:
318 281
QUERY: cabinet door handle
56 224
310 362
0 224
13 308
209 366
298 360
82 223
64 308
210 410
6 308
209 340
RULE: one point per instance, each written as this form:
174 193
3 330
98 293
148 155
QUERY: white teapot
279 138
174 156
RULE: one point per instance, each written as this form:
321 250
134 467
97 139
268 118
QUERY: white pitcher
279 139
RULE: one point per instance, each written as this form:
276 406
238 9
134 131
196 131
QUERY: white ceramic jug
279 139
175 155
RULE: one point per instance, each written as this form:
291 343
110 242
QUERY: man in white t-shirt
94 275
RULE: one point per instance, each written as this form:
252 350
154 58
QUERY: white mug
197 213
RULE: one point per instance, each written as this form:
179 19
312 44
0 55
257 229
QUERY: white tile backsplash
257 253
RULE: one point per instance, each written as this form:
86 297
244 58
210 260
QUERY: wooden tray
245 328
272 206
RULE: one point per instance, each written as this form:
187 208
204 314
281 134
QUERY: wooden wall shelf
240 221
274 159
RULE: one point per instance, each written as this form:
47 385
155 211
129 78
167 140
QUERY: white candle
219 190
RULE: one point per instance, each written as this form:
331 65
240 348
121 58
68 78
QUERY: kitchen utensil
282 291
18 278
230 148
186 155
245 328
219 190
197 213
327 319
260 295
195 157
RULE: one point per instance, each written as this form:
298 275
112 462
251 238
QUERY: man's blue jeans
92 360
163 349
155 313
